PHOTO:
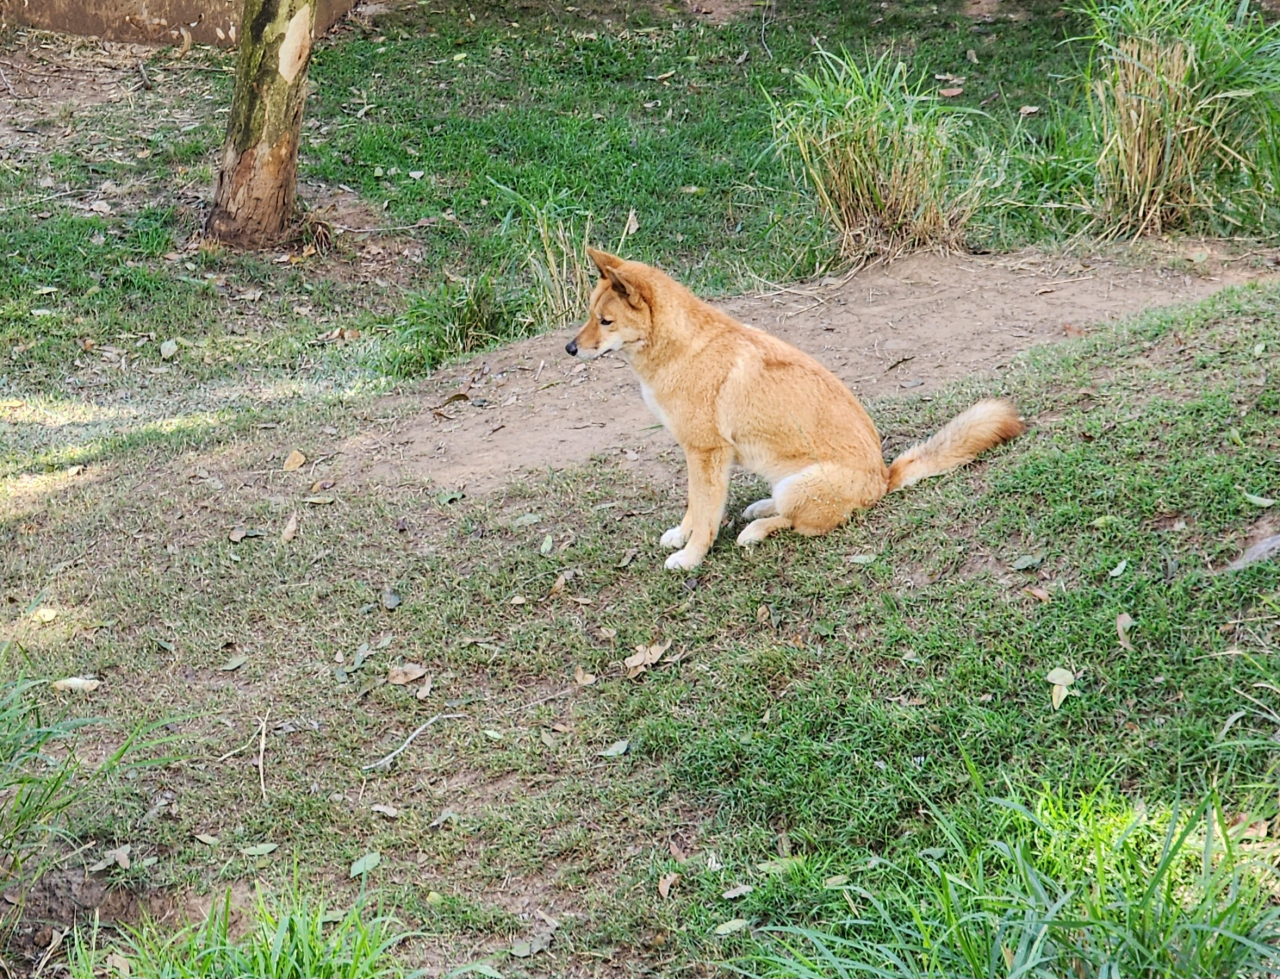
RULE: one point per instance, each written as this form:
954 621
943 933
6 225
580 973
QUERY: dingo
730 393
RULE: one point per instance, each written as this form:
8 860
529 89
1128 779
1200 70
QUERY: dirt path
903 329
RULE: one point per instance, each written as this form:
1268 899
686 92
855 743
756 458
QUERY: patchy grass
428 116
822 709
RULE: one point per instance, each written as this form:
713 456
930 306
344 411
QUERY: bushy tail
959 441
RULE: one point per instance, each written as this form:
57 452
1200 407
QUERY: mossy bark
253 202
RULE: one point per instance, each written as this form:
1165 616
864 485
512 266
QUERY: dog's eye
605 322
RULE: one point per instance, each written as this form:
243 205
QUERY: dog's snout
571 348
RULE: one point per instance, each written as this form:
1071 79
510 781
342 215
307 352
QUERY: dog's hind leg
760 508
758 530
820 498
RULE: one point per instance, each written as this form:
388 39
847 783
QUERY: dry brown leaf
1059 695
400 675
296 460
666 882
676 852
582 678
391 812
950 93
425 690
645 656
1037 592
558 587
738 890
290 529
1124 621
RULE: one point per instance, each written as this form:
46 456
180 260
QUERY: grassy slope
822 719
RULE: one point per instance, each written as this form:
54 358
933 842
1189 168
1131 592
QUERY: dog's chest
651 400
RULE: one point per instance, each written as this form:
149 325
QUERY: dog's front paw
685 559
675 537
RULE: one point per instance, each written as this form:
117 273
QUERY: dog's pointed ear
604 261
624 287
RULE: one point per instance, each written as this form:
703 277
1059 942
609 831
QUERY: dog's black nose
571 348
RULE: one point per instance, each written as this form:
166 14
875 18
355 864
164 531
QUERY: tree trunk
253 202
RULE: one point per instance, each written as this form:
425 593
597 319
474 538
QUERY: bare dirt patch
903 329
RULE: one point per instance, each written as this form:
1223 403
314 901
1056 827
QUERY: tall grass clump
459 317
1087 890
555 253
1185 96
890 165
292 937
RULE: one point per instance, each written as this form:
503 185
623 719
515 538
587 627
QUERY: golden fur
733 394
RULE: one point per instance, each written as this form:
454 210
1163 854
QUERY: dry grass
879 154
1185 97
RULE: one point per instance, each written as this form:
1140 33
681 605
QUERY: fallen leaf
119 857
627 558
780 865
76 684
857 559
971 56
558 587
390 600
679 854
616 749
1061 677
1262 501
234 663
518 600
1028 110
206 839
493 735
425 690
526 520
317 500
633 224
645 656
839 880
391 812
548 543
1260 551
295 461
1118 570
582 678
730 926
407 673
44 615
290 529
608 633
1028 562
666 882
1123 623
365 864
1059 695
259 849
1037 592
738 890
950 93
168 349
548 740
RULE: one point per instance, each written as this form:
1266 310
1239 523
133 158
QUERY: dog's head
619 314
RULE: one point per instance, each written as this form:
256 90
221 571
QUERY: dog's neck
674 336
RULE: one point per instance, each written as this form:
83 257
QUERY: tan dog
730 393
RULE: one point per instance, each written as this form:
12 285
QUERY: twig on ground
262 750
47 197
540 700
386 761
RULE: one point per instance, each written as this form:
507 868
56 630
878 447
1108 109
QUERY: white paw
674 537
684 560
749 538
760 508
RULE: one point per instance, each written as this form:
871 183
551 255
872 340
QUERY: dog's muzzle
571 348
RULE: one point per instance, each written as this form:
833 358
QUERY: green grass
1084 887
840 713
291 936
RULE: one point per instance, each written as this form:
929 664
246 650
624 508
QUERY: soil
904 329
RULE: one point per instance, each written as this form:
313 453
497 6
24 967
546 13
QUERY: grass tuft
1088 889
457 318
1186 99
294 936
879 153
